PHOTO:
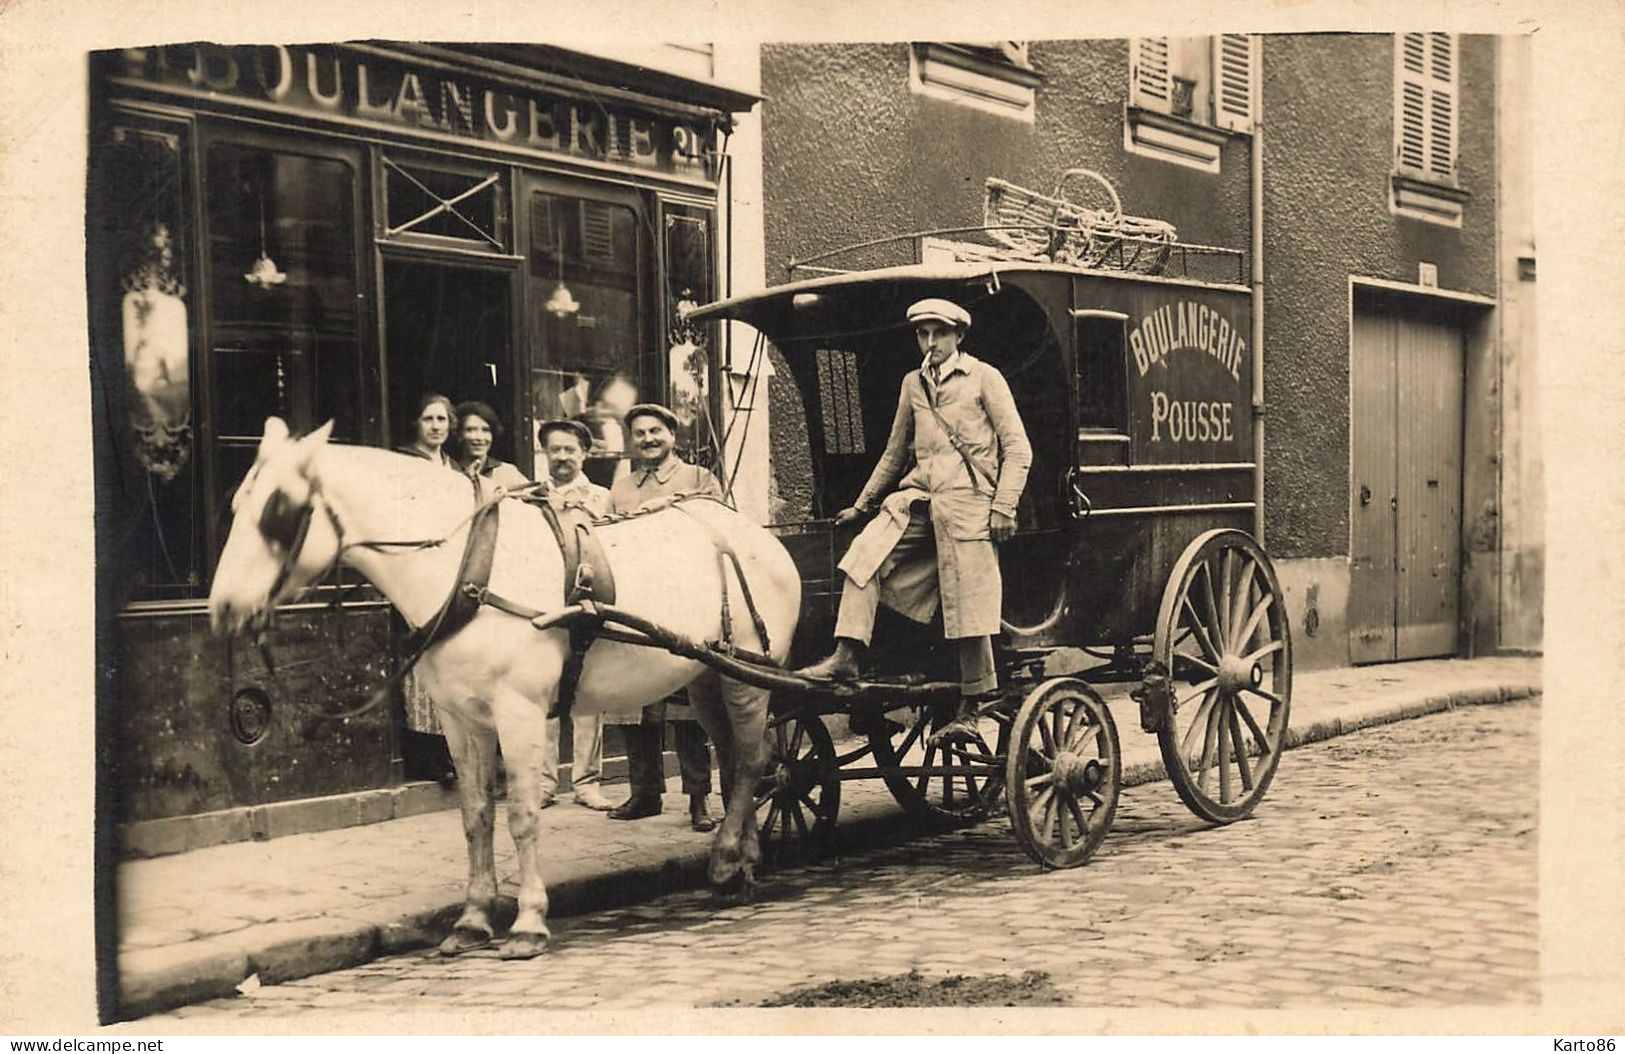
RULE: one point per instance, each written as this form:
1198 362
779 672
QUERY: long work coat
973 400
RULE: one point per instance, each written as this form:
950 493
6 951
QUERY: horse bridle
285 526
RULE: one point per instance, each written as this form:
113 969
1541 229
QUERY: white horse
495 678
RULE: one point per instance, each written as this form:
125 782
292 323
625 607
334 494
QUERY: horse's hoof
523 946
461 941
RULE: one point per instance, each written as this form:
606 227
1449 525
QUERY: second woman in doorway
478 428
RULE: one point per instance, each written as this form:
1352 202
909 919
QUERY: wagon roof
769 309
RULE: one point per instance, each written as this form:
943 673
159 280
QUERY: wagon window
1101 344
838 398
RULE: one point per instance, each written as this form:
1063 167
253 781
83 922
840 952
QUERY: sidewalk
194 925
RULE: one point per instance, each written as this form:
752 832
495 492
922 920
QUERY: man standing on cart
933 540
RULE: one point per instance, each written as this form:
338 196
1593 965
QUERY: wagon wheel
965 795
1223 636
800 791
1064 772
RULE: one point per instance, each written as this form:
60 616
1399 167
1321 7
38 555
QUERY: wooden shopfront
328 232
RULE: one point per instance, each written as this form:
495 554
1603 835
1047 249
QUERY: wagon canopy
862 303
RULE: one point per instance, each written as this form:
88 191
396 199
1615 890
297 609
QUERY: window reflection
585 271
140 237
689 352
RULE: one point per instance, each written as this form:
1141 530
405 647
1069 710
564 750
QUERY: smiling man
659 477
933 542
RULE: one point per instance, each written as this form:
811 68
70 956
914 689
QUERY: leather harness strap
587 579
469 590
726 555
977 472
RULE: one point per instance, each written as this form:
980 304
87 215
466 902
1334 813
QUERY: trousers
587 749
915 554
645 742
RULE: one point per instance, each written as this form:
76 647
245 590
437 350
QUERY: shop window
1427 109
1102 395
284 321
996 77
690 355
436 204
143 288
587 270
1188 94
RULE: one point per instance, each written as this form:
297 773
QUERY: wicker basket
1059 228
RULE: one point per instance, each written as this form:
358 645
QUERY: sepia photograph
599 528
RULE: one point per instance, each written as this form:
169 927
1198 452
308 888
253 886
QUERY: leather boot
636 807
963 727
841 665
699 817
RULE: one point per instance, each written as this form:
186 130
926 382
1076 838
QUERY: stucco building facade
1378 186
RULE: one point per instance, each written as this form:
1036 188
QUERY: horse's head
283 535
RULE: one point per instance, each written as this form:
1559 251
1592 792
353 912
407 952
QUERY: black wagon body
1132 561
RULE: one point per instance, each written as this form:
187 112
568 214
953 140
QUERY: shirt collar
956 361
579 484
662 473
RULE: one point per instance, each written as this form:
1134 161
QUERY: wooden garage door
1406 482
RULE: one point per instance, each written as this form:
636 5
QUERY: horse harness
589 580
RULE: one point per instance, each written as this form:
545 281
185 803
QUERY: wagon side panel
1171 454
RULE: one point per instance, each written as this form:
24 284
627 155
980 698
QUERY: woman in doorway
478 428
432 429
423 749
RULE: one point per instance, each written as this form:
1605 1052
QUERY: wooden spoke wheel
1064 772
954 783
800 791
1223 636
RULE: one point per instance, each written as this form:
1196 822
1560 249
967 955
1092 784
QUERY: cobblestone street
1395 866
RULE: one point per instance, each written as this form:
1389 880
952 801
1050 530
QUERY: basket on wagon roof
1059 227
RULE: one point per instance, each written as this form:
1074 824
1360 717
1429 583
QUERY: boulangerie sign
431 97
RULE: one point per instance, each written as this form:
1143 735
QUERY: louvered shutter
1149 81
1442 106
1235 56
597 233
1426 108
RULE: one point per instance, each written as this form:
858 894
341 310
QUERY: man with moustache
659 477
566 444
959 446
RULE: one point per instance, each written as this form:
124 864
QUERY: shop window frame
673 326
354 155
644 204
103 304
386 156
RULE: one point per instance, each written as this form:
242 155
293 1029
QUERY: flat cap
565 424
939 309
651 410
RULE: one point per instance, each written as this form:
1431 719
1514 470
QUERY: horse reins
288 529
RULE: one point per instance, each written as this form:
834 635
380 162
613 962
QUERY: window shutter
1149 83
1442 106
597 233
1425 111
1235 55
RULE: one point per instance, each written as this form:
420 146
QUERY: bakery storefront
329 232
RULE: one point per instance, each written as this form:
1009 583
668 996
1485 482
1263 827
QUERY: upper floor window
995 76
1186 94
1427 110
